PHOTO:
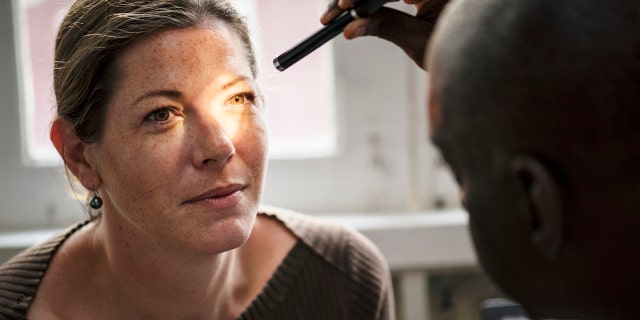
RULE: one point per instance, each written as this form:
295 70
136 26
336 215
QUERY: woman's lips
221 197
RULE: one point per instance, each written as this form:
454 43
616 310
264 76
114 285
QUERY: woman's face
183 154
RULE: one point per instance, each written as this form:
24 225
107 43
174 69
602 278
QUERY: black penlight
328 32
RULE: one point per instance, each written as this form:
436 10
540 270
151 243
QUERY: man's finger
335 8
431 10
404 30
332 12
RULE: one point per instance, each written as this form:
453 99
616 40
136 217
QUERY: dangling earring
96 201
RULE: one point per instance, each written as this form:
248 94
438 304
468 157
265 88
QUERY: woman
161 119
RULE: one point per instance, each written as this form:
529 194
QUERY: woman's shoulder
339 244
366 277
22 274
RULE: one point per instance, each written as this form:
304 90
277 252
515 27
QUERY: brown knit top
333 272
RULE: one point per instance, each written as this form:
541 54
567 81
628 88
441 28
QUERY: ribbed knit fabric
333 272
20 276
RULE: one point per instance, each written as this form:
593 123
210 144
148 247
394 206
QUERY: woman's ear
74 153
543 196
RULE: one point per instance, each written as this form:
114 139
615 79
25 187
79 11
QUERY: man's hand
410 33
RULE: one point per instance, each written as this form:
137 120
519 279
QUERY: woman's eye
160 115
237 99
242 98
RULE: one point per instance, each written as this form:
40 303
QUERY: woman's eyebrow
175 94
163 93
235 80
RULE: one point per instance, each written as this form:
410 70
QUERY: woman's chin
225 235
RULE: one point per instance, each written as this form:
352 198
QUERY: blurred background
348 138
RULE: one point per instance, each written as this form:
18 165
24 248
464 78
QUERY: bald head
553 74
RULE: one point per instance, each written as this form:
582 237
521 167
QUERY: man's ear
74 153
543 196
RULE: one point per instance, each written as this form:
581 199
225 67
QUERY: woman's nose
213 143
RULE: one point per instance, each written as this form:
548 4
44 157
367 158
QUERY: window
366 147
39 21
300 113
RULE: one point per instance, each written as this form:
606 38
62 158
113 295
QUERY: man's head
536 107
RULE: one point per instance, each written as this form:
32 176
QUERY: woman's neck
146 280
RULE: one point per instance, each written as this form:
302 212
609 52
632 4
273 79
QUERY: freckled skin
149 169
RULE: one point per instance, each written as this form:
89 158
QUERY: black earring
96 202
